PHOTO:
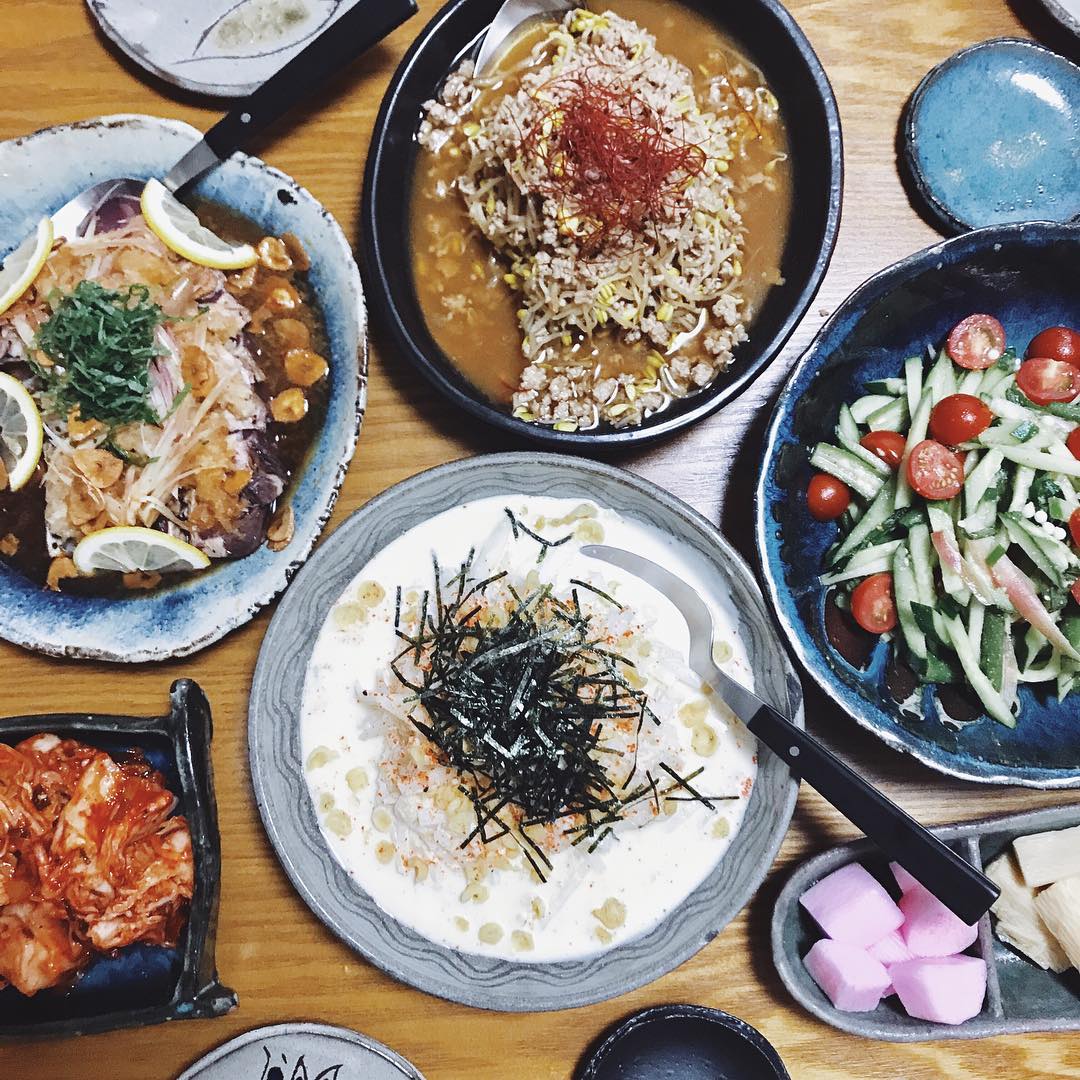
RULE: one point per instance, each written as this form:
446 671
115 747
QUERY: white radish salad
956 487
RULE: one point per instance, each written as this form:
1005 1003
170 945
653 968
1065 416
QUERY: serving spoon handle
364 24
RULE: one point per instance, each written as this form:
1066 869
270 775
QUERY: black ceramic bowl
688 1042
141 984
776 44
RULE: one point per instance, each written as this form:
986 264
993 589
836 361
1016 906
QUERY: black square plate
141 984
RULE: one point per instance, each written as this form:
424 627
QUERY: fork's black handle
951 878
337 46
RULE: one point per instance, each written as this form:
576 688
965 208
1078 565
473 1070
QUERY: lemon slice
125 549
179 229
24 264
20 431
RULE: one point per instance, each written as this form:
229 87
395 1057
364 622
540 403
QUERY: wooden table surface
283 963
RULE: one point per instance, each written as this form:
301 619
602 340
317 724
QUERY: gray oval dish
141 984
41 172
1020 996
218 48
292 1051
289 815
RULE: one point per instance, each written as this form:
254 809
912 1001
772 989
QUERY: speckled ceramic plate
289 816
40 173
1020 996
991 136
1024 274
222 48
302 1052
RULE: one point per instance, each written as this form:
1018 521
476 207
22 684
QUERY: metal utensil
952 879
511 20
339 44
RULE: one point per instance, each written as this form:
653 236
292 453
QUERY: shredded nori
517 692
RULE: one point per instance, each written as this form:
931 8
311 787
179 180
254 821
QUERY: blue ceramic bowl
1026 275
992 136
771 37
41 172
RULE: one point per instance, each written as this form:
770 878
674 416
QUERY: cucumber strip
913 382
905 592
845 466
1047 673
969 382
876 513
981 478
1056 461
1032 550
1022 479
1058 553
941 381
863 407
992 644
1066 682
976 619
880 566
993 381
891 387
981 584
920 421
891 417
847 432
1009 410
994 703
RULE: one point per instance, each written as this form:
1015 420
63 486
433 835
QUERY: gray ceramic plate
40 173
1020 996
289 816
291 1051
221 48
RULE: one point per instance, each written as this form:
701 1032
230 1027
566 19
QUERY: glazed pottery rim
541 994
301 1027
967 833
660 1014
812 661
942 215
431 363
357 407
155 70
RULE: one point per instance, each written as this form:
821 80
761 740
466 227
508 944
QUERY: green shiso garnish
518 705
101 342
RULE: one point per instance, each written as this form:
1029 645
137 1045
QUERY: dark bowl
1025 274
141 984
689 1042
776 44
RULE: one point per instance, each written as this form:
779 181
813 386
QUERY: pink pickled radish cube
890 950
945 989
930 928
850 905
903 878
851 978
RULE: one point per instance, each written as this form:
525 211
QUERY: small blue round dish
43 171
1024 274
690 1042
771 37
991 136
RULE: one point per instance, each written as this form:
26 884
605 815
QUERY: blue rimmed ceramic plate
41 172
991 136
1026 275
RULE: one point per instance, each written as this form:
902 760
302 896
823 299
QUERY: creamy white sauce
647 870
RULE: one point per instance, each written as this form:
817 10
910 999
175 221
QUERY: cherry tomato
1073 442
888 445
1075 590
873 605
1074 527
959 417
827 497
976 342
1045 380
1058 343
935 471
